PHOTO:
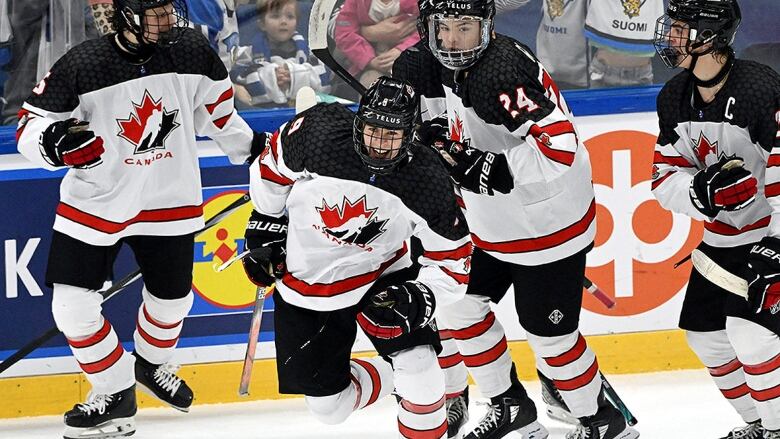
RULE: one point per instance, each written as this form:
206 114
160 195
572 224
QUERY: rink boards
637 245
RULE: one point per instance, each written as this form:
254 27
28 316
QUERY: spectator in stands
280 62
372 34
598 43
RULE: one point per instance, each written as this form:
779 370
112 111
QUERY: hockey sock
159 325
419 381
456 376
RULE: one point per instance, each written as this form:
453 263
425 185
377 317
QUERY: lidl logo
637 241
229 288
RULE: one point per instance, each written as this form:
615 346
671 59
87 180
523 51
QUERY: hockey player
121 113
717 161
510 144
337 196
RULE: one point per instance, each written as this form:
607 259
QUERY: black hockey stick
613 397
115 288
321 12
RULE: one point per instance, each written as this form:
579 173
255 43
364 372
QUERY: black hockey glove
432 130
71 143
764 266
725 185
260 141
265 231
398 310
474 170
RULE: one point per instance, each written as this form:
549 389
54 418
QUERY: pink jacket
357 49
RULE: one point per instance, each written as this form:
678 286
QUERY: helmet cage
695 24
136 16
457 59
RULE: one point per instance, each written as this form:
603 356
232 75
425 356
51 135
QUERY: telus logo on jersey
146 128
350 223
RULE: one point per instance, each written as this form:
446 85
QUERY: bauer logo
637 241
229 288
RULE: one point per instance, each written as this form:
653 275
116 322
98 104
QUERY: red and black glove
265 232
764 265
71 143
476 171
398 310
725 185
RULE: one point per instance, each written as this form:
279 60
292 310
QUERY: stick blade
719 276
305 99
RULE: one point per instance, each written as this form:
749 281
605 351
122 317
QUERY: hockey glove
474 170
432 130
725 185
265 231
398 310
71 143
764 265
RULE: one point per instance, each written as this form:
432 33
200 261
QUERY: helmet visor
458 41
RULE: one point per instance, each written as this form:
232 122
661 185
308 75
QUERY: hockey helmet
689 25
384 124
457 31
158 23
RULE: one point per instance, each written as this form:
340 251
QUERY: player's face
279 25
158 21
382 143
458 34
678 40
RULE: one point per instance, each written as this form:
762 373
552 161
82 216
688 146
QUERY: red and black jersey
508 104
148 116
347 226
742 121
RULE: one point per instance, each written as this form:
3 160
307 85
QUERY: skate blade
628 433
534 430
149 392
562 415
119 427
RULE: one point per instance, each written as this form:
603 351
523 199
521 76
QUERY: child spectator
280 62
372 34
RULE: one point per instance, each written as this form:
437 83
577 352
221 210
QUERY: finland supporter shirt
148 116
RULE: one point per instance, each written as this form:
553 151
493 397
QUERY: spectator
372 34
280 62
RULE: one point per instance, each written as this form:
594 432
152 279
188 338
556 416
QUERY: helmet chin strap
715 80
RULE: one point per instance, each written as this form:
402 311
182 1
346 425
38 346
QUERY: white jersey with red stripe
508 104
148 116
347 226
742 122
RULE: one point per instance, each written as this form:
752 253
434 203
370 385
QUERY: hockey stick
613 397
305 98
115 288
251 344
718 275
321 12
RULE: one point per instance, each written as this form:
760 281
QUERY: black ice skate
102 416
773 434
507 414
161 382
607 423
457 415
753 430
555 406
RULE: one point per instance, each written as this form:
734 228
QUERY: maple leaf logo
704 148
148 125
456 130
351 222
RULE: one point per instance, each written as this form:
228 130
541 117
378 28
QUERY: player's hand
474 170
431 130
71 143
725 185
764 266
265 231
398 310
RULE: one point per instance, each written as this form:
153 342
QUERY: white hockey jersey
624 25
148 116
743 121
508 104
348 227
